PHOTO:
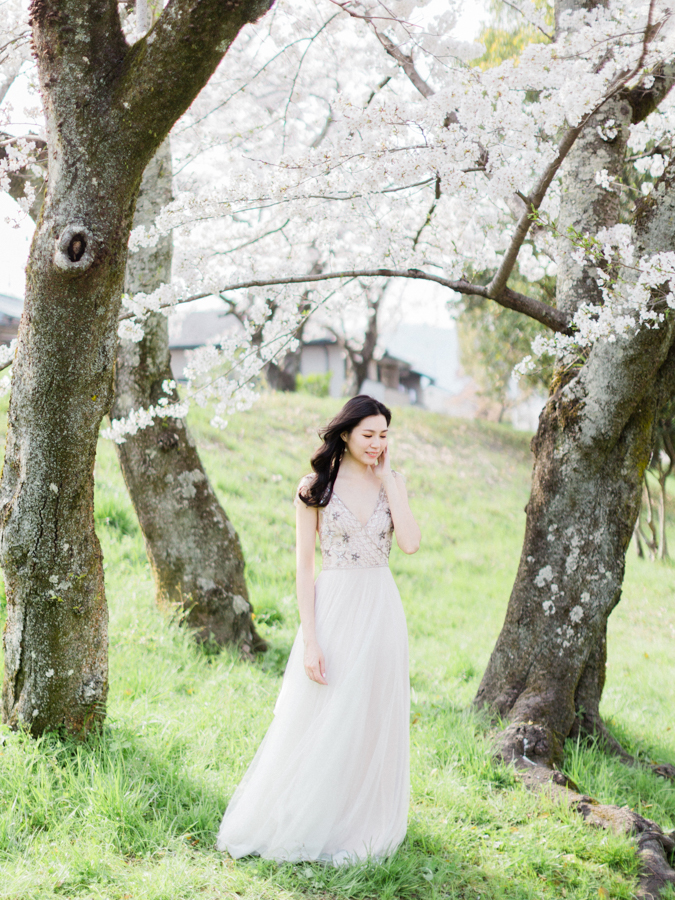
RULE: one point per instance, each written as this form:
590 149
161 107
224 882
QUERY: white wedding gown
330 780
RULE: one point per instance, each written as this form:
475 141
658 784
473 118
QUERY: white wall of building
317 359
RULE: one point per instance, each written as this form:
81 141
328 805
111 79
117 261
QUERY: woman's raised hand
315 664
383 465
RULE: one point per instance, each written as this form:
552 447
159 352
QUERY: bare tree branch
181 128
406 63
255 240
432 209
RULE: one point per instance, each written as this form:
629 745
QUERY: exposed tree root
529 748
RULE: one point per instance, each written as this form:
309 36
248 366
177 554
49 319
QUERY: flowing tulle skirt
330 780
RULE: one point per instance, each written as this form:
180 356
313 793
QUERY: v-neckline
353 515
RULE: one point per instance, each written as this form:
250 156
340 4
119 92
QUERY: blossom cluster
341 166
139 419
635 296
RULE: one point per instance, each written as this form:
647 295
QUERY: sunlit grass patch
133 811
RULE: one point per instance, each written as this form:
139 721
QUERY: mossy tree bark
594 440
194 551
108 108
547 671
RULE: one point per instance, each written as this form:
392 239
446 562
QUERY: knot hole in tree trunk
75 248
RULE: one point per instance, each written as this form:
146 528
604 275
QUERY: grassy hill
132 813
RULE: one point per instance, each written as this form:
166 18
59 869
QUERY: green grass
133 812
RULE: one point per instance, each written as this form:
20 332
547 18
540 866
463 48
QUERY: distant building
396 382
420 366
10 316
199 327
418 362
321 356
196 329
433 354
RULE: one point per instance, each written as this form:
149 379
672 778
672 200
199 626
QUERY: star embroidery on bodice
348 544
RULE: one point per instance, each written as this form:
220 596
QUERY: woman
330 781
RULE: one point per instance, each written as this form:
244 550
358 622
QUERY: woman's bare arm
406 529
305 528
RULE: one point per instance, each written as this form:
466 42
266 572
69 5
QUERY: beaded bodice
348 544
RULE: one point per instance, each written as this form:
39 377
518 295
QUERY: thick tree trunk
108 108
193 548
56 634
548 667
547 671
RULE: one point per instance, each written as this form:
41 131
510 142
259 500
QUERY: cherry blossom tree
195 552
412 157
109 104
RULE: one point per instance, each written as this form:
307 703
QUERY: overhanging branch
534 201
541 312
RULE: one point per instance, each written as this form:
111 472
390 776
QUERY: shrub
317 384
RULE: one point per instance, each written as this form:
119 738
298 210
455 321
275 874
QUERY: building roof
404 364
199 327
320 342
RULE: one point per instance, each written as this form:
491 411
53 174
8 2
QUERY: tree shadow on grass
128 799
132 798
425 867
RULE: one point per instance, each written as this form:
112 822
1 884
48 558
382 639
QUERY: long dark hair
326 460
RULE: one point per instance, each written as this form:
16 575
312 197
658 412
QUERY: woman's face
367 440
